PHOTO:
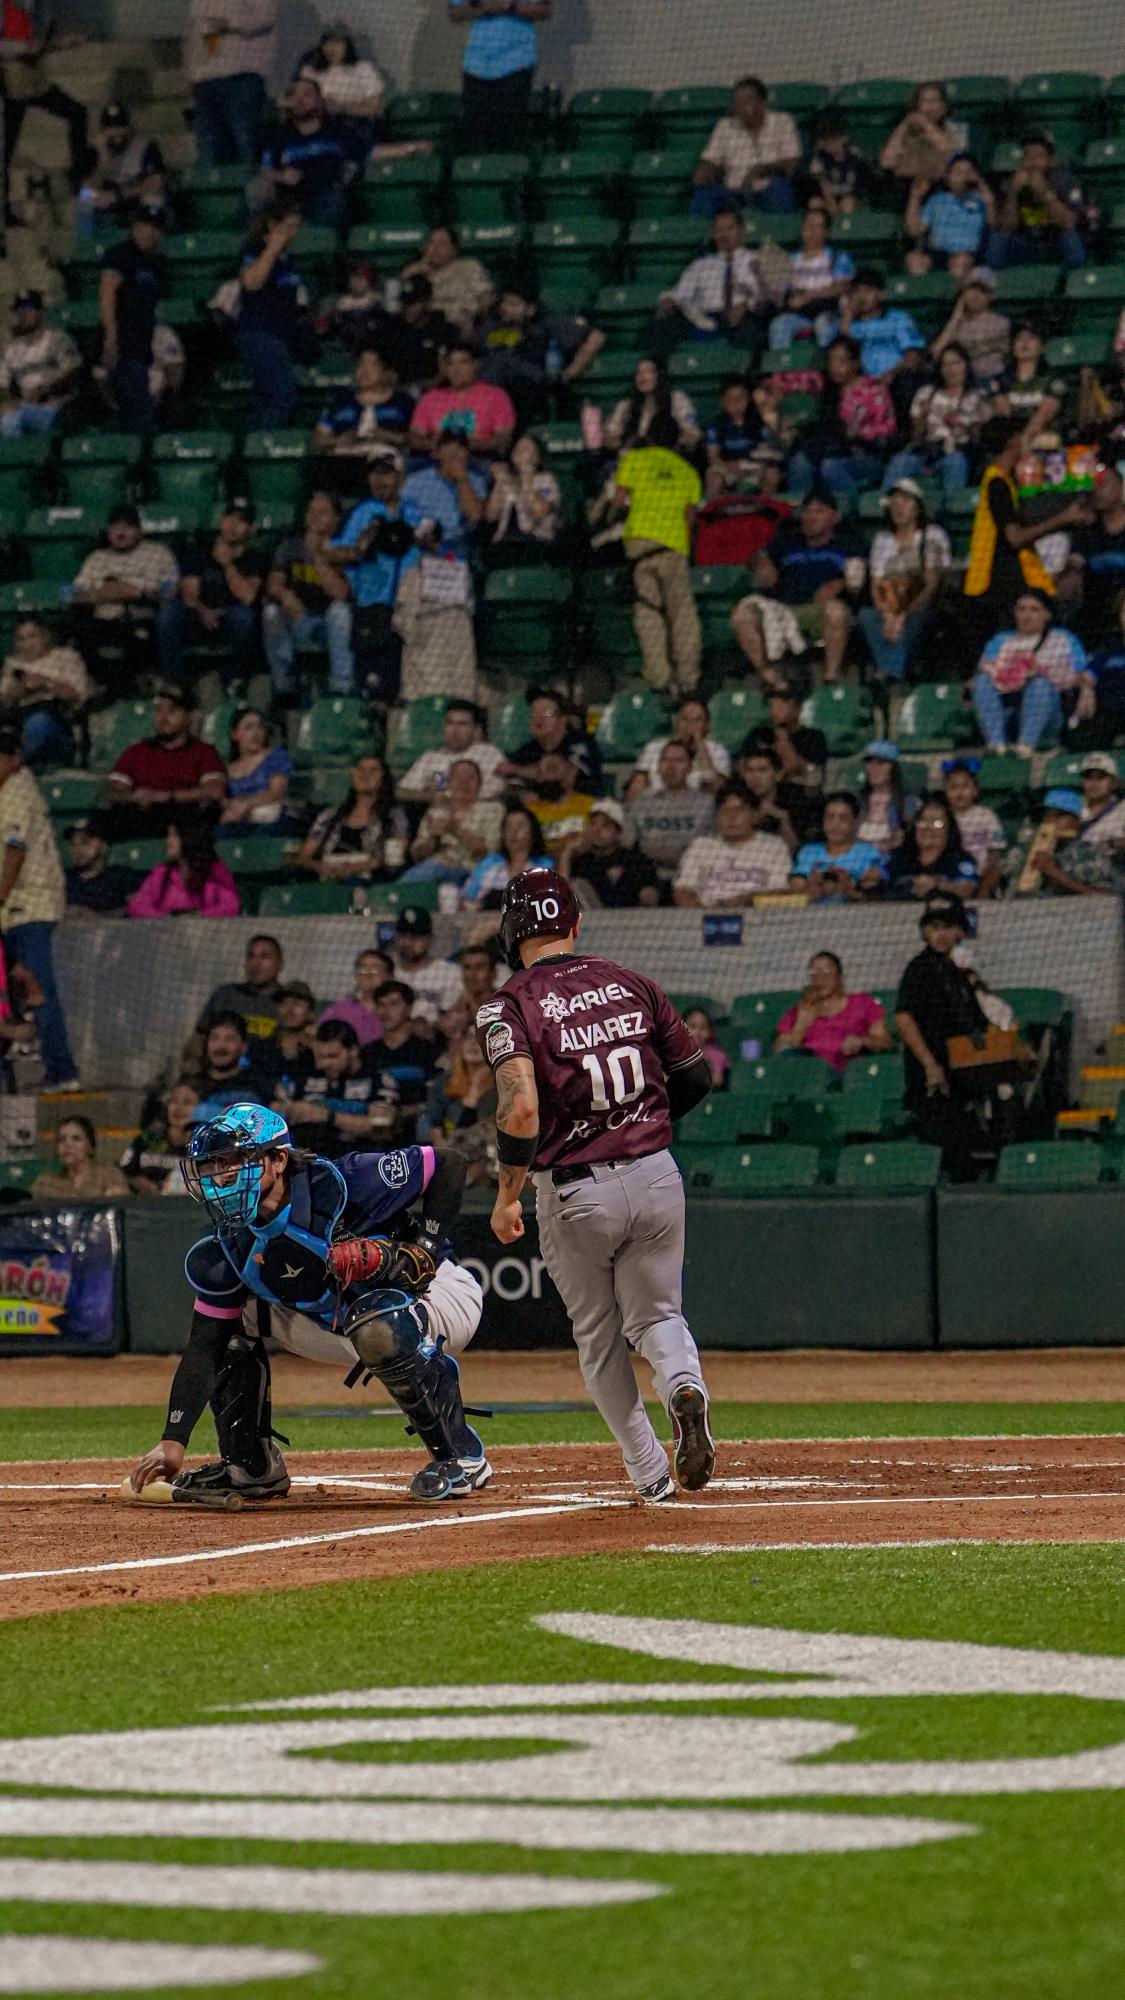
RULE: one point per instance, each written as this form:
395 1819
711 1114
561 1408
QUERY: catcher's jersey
602 1041
361 1194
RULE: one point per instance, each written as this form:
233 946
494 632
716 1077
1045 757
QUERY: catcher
325 1256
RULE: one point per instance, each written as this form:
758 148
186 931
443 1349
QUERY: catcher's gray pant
453 1307
614 1246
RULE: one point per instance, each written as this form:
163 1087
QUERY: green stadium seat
522 616
402 193
1050 1163
756 1015
844 715
276 466
1075 351
395 243
69 794
722 1120
1065 768
979 101
1113 104
1037 1006
660 183
22 462
25 600
751 1169
873 107
334 730
582 247
259 854
489 187
96 467
801 100
113 729
887 1072
1114 230
58 541
189 467
782 229
1059 99
215 724
511 725
1097 294
897 1166
929 298
216 197
388 899
700 367
1025 286
659 246
497 244
139 855
16 1176
582 183
328 787
601 117
735 710
609 377
1103 166
866 232
415 726
793 1078
630 721
199 261
1004 782
687 116
305 899
83 266
425 114
934 717
684 1001
867 1113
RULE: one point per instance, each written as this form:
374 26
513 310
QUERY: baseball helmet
236 1140
539 903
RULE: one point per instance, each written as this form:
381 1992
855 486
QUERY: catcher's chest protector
285 1265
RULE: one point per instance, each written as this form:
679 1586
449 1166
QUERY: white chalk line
431 1521
896 1500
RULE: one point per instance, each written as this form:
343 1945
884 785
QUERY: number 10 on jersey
625 1087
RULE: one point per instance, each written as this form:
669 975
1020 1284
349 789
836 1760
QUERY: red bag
736 527
17 25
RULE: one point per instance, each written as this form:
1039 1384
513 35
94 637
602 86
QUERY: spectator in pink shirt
701 1028
483 412
831 1023
372 969
191 882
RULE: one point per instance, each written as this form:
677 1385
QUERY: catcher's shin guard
241 1406
388 1331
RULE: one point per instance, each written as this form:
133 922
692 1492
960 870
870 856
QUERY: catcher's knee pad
385 1325
241 1405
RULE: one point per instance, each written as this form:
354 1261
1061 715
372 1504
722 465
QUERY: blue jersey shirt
361 1194
374 578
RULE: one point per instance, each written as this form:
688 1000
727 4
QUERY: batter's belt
593 1170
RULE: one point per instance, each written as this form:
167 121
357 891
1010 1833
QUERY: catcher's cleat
661 1489
451 1478
693 1454
230 1487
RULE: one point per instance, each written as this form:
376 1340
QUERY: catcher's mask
223 1166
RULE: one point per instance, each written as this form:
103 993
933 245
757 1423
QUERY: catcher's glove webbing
375 1260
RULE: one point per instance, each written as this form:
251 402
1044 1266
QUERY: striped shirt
39 895
955 223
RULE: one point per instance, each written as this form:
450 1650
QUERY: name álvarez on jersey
601 1043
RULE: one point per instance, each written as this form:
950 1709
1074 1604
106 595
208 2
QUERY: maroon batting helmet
539 903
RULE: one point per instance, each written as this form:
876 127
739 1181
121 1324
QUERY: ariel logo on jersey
499 1041
394 1169
556 1008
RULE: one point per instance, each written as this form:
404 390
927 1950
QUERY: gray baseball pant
614 1246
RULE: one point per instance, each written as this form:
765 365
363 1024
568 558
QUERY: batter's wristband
513 1152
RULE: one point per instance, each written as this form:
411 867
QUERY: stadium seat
59 539
1103 167
511 725
215 724
1036 1006
582 183
844 715
113 729
735 710
723 1120
1065 768
934 717
402 193
660 183
1113 104
683 1002
1050 1163
1004 782
800 99
659 246
898 1166
929 298
885 1073
687 116
1097 294
16 1176
275 466
980 102
866 1111
489 187
1023 286
746 1170
388 899
22 463
189 466
96 468
793 1078
394 243
624 312
1075 351
523 617
630 721
701 366
199 261
1114 229
216 197
69 794
577 248
414 726
25 600
259 854
139 855
873 108
335 730
1059 99
754 1016
425 114
866 233
606 117
305 899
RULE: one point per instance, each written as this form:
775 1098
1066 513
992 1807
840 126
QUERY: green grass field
946 1825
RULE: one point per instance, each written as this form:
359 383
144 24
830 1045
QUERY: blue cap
1060 800
882 747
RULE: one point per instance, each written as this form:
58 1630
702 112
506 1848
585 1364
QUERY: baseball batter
329 1257
592 1064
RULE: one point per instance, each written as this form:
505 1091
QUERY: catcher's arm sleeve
688 1085
441 1202
194 1380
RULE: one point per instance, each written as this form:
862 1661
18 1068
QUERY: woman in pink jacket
192 882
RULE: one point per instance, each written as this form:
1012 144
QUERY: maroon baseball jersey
602 1041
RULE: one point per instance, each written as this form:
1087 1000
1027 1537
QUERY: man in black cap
219 601
132 280
434 982
127 166
39 370
414 339
120 595
937 999
93 887
169 769
814 566
529 352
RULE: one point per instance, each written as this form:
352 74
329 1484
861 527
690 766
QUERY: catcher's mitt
413 1267
375 1260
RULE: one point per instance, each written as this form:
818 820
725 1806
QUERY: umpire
592 1064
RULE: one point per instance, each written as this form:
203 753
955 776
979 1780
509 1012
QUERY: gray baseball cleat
229 1487
450 1478
693 1454
661 1489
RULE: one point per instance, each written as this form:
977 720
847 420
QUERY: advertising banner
58 1280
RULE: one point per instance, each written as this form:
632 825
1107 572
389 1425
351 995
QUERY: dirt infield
68 1544
1048 1375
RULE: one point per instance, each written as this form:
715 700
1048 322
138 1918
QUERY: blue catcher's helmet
223 1165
